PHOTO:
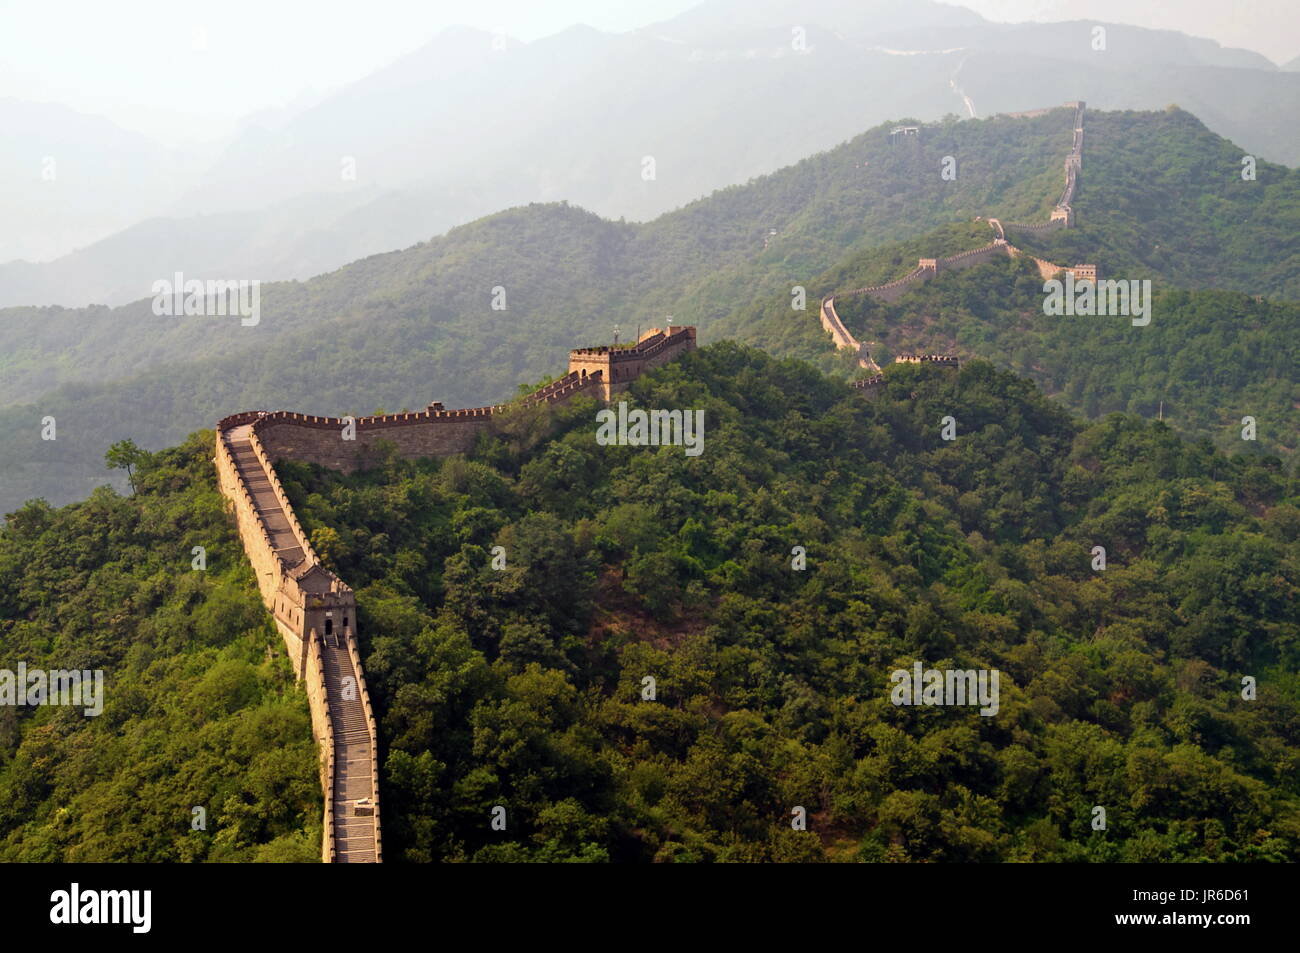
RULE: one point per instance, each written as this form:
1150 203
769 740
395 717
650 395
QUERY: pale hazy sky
1271 27
194 66
184 69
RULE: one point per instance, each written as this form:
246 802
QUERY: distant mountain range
723 93
1162 198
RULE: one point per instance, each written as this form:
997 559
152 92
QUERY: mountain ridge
702 115
424 313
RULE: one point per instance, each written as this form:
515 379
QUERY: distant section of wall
1036 229
893 290
832 323
1046 269
976 256
926 268
871 386
945 360
843 339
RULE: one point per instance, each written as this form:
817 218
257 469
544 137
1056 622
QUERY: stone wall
313 679
832 323
925 269
1034 229
427 433
355 654
893 290
284 598
946 360
289 436
1046 269
871 386
252 533
976 256
303 597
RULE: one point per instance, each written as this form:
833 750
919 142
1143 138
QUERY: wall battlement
947 360
618 367
313 609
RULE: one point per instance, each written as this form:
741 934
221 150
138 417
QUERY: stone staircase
354 833
350 773
258 483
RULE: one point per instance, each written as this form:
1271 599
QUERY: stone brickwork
314 610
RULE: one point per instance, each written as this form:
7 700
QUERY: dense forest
400 329
523 686
199 706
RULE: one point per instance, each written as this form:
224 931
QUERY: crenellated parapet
617 367
946 360
869 385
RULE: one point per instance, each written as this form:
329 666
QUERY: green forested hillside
1206 359
199 704
563 267
1171 205
403 328
1121 688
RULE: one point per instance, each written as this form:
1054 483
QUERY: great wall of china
314 610
1062 217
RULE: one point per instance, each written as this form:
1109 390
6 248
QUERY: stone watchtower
622 364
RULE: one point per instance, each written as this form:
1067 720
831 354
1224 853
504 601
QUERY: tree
125 455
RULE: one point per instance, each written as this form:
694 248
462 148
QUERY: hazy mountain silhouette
472 123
